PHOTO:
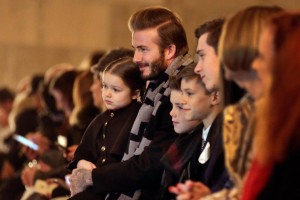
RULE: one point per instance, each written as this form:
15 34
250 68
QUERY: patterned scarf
157 91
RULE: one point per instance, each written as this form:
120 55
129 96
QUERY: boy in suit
197 154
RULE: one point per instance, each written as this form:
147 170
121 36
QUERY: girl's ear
170 52
215 98
136 94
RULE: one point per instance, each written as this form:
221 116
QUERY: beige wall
36 34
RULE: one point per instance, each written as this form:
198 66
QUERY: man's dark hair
169 27
214 29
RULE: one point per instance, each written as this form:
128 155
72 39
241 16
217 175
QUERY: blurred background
36 34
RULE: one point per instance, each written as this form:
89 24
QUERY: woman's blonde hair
238 44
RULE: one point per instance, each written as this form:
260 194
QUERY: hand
39 139
80 180
70 152
59 182
29 153
27 176
8 171
84 164
42 141
190 190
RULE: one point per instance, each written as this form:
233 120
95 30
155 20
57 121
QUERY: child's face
198 103
181 125
115 93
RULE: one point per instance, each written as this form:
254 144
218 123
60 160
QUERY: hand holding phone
26 142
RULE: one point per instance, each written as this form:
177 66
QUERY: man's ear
215 98
170 51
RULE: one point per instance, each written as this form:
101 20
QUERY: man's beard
157 68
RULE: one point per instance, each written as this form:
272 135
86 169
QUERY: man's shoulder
164 104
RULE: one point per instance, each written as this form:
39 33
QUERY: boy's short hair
214 29
186 73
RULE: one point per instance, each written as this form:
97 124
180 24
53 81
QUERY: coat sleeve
87 149
140 171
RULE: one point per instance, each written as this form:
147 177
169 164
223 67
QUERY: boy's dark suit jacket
181 160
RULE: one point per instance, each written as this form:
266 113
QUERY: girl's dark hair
129 72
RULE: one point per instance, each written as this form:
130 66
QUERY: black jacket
284 181
181 161
106 138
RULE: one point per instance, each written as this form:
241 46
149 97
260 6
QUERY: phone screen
26 142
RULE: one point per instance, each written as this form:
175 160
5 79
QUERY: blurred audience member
274 173
84 111
91 60
6 104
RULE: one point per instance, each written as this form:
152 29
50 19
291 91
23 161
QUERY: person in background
61 87
22 119
237 56
11 186
84 111
161 48
6 104
52 120
45 163
274 173
91 60
106 139
27 99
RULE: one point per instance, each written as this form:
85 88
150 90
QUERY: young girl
106 138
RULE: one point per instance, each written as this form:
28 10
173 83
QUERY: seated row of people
170 137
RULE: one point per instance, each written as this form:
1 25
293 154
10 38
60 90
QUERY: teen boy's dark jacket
108 148
181 160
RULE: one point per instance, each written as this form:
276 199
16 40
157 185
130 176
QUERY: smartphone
26 142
